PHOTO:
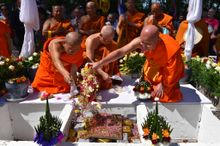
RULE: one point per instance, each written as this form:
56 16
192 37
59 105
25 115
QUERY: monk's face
71 48
148 42
106 39
156 10
130 4
57 12
91 9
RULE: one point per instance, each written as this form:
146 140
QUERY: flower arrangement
132 63
32 61
88 84
143 89
12 70
48 131
155 127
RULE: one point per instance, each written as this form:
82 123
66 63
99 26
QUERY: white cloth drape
194 15
30 17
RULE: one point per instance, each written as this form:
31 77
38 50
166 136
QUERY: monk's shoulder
56 45
169 41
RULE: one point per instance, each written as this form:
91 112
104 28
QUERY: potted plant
32 63
14 76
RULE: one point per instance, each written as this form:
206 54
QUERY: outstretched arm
55 55
134 44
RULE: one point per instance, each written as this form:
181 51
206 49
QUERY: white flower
214 64
121 60
218 69
20 63
35 54
7 59
11 67
208 66
35 66
141 54
30 58
91 89
125 58
2 62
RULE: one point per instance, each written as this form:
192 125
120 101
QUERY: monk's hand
67 77
106 78
95 65
158 92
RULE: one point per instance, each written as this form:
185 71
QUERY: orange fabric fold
111 68
165 65
166 21
4 49
48 77
201 48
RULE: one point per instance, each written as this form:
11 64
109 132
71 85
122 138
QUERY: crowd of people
89 36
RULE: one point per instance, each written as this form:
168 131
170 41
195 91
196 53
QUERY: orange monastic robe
4 49
92 25
166 21
48 77
202 47
66 24
111 68
165 64
127 32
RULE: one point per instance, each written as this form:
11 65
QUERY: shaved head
91 8
107 30
107 34
149 37
73 38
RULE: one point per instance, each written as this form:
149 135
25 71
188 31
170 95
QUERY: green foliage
32 61
132 63
206 75
49 125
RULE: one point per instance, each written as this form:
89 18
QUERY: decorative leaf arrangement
48 131
156 128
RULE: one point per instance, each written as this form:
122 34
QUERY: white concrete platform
196 116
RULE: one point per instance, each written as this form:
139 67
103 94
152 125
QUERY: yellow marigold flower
155 136
165 133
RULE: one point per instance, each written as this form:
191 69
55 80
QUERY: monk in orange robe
164 21
5 40
202 48
130 24
98 46
58 64
90 23
56 25
164 66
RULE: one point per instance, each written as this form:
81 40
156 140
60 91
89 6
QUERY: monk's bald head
107 34
91 8
107 30
156 9
149 37
72 43
73 38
